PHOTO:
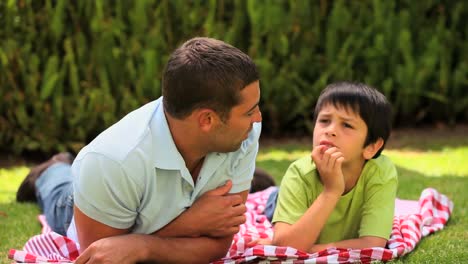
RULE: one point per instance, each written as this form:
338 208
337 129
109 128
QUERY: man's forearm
179 227
135 248
184 250
211 215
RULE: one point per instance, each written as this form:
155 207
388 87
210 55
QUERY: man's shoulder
120 139
250 144
254 135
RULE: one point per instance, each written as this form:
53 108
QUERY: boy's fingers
252 243
334 158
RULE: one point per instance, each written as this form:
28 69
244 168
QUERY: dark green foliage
69 69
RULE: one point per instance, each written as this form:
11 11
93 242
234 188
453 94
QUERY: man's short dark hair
206 73
371 105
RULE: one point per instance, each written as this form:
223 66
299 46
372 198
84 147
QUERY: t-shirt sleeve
379 204
293 200
104 192
244 166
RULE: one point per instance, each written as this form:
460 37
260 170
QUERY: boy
344 194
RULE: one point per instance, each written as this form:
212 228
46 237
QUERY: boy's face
342 128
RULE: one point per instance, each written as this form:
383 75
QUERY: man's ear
206 119
371 149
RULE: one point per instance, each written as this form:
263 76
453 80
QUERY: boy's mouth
327 144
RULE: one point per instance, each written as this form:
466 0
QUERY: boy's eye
323 120
348 125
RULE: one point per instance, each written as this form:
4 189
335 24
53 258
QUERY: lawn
428 158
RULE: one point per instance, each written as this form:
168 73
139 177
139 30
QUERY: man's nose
257 117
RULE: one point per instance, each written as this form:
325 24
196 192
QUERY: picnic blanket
413 220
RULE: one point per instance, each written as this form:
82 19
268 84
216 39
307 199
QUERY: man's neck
187 143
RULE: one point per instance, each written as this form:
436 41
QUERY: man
168 182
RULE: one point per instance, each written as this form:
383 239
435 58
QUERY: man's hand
218 213
328 162
116 249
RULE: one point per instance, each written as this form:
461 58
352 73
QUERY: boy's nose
330 131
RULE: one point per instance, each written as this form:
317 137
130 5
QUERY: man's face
229 135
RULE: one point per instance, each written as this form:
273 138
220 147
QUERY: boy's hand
328 161
259 241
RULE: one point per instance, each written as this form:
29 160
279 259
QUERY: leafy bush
69 69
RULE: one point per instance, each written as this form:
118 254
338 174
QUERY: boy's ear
371 149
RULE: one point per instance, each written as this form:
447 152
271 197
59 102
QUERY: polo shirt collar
166 155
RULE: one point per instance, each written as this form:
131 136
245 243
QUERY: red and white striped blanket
426 216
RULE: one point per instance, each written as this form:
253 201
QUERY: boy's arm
378 211
171 244
311 223
362 242
328 162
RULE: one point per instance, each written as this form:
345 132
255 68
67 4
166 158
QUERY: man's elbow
220 250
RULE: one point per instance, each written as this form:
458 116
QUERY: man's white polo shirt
132 175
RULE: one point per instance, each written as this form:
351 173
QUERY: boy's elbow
372 241
279 241
282 242
382 243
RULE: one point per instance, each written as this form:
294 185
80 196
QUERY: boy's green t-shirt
366 210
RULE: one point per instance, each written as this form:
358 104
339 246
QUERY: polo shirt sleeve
104 192
244 165
379 204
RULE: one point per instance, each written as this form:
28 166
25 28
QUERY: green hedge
69 69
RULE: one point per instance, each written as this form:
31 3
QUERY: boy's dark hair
206 73
261 180
371 105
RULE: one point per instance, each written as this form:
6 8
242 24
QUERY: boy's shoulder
303 167
381 169
304 164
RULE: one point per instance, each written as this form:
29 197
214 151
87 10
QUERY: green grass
17 221
422 162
